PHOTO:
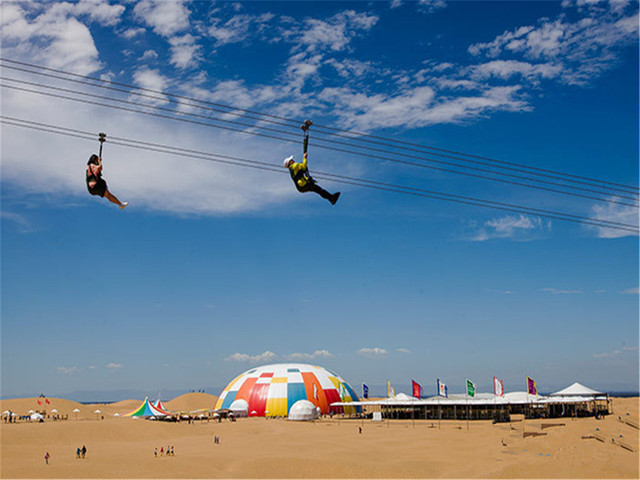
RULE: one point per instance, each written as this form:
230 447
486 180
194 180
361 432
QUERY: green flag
471 388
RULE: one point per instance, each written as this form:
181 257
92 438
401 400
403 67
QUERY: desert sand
258 448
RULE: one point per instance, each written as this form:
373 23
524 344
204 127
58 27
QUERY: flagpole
467 407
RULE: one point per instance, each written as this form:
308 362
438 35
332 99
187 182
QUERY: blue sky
215 268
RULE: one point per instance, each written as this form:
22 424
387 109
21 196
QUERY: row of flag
498 388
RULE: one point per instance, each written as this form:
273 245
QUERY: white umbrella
54 411
30 412
116 414
97 411
6 412
76 410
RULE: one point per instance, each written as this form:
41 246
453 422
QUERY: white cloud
53 38
100 11
114 366
133 32
350 68
522 227
67 370
580 49
149 55
184 51
612 212
632 291
300 67
165 17
431 6
506 69
418 107
24 225
333 34
558 291
403 350
616 353
310 356
375 352
243 357
239 28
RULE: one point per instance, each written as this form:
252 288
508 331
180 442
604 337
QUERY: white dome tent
303 410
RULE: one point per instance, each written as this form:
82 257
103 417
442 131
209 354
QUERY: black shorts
99 188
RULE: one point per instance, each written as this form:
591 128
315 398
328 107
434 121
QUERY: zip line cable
148 146
152 107
344 143
352 135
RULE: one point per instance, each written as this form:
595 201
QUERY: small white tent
239 408
303 410
577 390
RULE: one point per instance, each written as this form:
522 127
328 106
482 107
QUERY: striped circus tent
147 409
271 390
158 404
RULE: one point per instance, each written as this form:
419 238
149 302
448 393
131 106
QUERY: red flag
47 400
39 402
417 389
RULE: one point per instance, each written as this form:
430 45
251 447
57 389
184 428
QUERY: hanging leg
113 199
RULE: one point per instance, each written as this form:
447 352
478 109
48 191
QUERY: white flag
498 389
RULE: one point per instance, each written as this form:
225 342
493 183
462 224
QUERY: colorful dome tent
147 410
271 390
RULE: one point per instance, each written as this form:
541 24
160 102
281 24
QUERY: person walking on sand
78 452
47 456
155 452
84 451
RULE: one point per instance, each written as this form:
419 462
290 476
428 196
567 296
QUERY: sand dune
192 401
21 406
259 448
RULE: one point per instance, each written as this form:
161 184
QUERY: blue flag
365 391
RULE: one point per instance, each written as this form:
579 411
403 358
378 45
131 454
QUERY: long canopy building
576 400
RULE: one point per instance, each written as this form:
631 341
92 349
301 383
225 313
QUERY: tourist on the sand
84 451
47 457
155 452
78 452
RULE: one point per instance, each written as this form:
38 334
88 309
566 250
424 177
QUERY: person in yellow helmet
300 173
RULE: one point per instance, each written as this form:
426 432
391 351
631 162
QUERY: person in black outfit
96 184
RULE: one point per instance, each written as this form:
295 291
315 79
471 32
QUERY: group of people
81 452
168 452
299 172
